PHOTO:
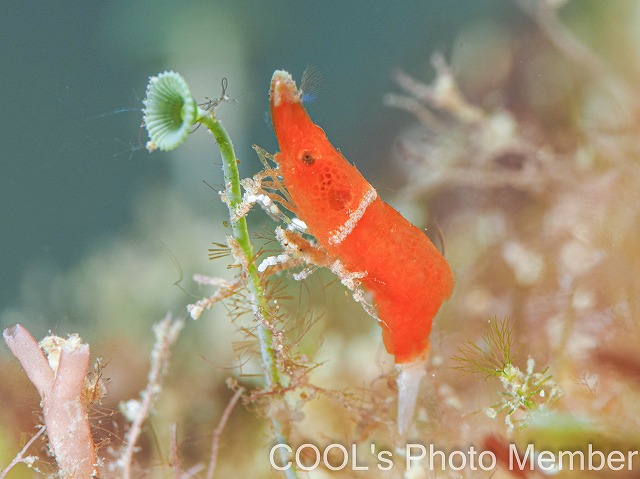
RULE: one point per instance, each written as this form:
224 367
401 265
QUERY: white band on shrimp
339 235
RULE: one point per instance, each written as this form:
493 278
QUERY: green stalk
169 114
241 235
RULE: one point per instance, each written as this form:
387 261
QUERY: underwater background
506 129
74 79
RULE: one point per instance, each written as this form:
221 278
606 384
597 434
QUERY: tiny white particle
298 224
272 261
195 310
130 409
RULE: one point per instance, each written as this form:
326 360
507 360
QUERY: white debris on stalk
52 346
225 289
195 310
205 280
297 224
130 409
254 193
273 261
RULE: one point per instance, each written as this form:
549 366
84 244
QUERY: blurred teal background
74 75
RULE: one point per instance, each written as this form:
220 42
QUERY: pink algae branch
60 387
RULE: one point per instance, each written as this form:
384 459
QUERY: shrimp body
406 274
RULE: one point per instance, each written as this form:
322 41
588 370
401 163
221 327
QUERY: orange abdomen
406 274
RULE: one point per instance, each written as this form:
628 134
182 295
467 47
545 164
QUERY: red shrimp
404 272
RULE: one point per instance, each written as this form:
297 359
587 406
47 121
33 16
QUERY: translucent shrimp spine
409 379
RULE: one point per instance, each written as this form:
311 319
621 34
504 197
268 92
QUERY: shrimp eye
307 159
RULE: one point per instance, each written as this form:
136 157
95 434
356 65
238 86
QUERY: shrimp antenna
436 236
310 84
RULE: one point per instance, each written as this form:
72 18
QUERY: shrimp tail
409 379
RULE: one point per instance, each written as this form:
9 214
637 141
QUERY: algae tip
409 378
